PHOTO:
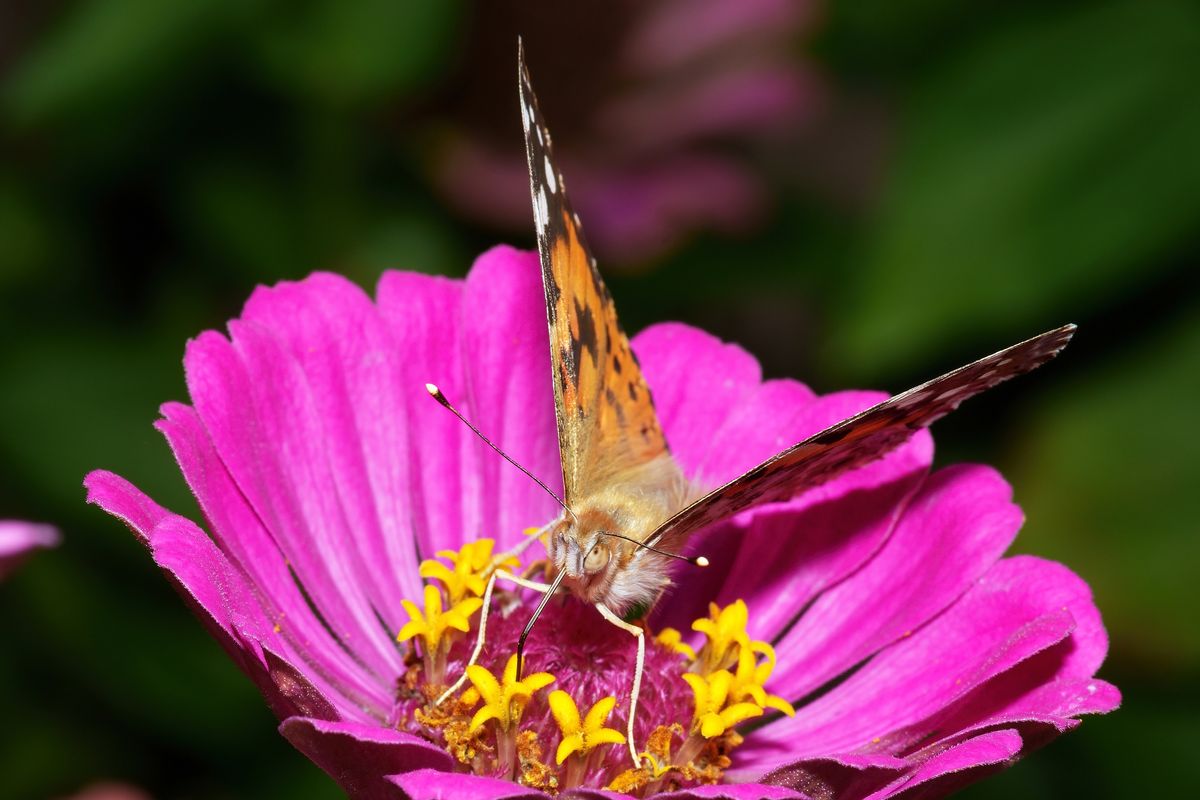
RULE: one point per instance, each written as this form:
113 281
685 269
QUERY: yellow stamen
751 677
582 737
432 624
673 640
505 699
473 564
725 629
712 718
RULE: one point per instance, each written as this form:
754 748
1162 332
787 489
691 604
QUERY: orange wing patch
606 418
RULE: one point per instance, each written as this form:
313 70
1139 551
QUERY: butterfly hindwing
859 440
606 418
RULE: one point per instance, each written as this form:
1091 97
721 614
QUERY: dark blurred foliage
975 173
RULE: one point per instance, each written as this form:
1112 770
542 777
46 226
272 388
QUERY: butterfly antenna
537 612
696 561
436 394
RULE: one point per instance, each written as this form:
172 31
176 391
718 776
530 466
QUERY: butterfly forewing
606 419
860 439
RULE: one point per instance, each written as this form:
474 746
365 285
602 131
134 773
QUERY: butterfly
628 508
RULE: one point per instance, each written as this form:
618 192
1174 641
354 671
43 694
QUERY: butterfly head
588 556
602 559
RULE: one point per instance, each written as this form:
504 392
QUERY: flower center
563 723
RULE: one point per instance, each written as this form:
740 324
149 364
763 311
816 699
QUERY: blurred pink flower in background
919 658
652 128
109 790
18 539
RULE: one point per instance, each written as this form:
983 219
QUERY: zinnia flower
653 113
18 539
876 609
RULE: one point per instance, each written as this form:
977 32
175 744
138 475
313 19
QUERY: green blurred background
959 176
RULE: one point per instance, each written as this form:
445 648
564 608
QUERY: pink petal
491 360
813 542
773 417
18 539
736 791
334 333
880 775
219 596
692 402
958 524
908 693
780 557
423 315
1041 712
430 784
248 545
359 756
256 404
841 775
956 767
509 394
1050 690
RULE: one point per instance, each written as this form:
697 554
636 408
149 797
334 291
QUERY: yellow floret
726 630
751 677
504 700
582 737
432 624
673 640
712 717
473 565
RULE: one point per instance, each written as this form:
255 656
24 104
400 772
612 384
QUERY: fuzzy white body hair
605 569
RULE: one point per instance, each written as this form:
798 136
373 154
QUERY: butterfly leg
522 582
516 551
483 618
637 674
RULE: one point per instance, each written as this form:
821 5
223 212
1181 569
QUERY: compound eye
596 558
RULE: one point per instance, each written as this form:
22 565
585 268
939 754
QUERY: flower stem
506 751
691 748
435 663
576 768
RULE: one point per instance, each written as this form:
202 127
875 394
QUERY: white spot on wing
550 175
955 392
541 212
916 398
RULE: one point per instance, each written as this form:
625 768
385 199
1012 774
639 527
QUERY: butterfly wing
606 418
860 439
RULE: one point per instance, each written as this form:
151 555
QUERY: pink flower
652 124
918 658
18 539
109 790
